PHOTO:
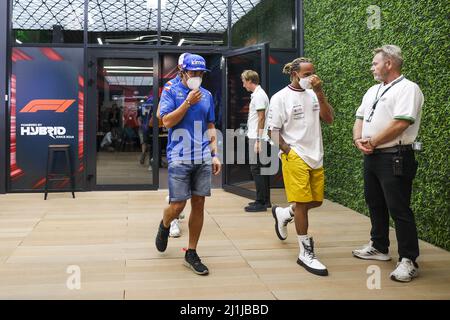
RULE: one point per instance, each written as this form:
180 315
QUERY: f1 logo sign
49 105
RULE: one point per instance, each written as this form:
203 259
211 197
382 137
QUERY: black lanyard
378 99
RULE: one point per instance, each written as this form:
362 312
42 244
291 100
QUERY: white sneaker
282 217
405 271
181 216
368 252
175 231
308 259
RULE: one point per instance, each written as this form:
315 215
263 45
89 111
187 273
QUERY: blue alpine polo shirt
188 140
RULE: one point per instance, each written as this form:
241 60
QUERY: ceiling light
127 71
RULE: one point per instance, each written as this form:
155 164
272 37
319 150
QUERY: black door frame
93 55
263 48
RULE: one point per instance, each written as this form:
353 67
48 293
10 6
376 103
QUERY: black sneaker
268 204
162 237
257 207
193 261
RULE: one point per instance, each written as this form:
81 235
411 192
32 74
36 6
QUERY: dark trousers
262 182
386 193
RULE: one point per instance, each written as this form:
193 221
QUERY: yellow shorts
301 182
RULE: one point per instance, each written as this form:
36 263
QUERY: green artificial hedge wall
339 41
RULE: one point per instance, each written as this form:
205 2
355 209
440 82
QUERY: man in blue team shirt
175 230
187 110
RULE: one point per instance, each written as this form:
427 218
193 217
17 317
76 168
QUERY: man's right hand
194 96
361 144
286 150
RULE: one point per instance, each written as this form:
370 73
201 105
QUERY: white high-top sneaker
282 217
175 231
405 271
308 259
368 252
181 216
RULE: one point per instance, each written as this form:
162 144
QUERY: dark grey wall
3 103
270 21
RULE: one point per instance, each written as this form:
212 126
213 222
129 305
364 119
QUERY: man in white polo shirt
386 126
257 139
294 123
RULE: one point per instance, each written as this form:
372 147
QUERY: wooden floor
122 168
110 237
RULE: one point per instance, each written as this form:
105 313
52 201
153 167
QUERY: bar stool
51 175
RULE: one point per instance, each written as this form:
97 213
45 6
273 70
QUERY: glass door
237 176
123 136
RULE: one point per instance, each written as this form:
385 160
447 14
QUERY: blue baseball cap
181 58
194 62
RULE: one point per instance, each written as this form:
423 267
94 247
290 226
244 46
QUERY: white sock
302 238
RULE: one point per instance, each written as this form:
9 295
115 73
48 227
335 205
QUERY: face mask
305 83
194 83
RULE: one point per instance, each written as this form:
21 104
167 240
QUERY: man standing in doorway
144 116
386 126
257 139
294 123
187 110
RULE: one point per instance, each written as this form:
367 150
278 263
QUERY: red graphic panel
15 171
47 104
51 54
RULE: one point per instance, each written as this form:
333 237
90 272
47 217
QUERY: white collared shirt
403 101
296 113
259 101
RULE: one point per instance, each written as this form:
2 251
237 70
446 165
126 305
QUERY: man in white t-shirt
294 123
386 126
257 139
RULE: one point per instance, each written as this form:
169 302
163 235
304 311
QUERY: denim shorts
187 179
